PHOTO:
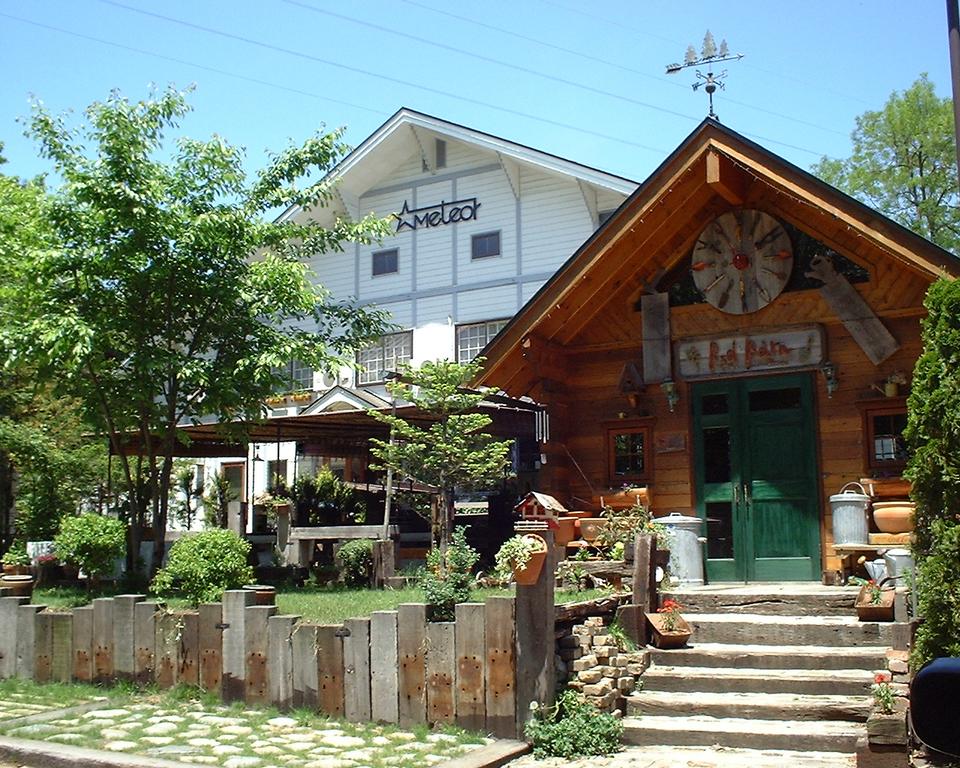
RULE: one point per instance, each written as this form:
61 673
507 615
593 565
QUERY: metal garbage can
686 547
850 515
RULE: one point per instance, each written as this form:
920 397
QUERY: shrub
448 576
939 597
16 555
202 565
572 728
91 542
355 559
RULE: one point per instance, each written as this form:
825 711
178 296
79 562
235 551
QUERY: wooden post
188 665
305 680
145 641
26 639
441 675
280 660
43 647
124 622
256 640
330 669
356 671
411 641
103 620
61 663
500 668
8 635
166 648
210 638
384 674
235 602
83 643
536 647
471 682
644 588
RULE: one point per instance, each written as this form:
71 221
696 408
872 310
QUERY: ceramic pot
528 575
580 514
565 532
590 527
893 516
18 585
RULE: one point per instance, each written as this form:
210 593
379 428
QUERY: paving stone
120 746
342 741
237 730
67 738
267 749
157 740
217 720
436 738
226 749
159 729
281 722
113 733
243 761
380 741
106 714
201 759
300 746
402 736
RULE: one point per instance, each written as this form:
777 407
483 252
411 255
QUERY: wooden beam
724 179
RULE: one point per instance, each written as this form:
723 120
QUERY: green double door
756 478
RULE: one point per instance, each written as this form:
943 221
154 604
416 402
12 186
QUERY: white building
481 223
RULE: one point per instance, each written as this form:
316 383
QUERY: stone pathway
693 757
16 704
236 737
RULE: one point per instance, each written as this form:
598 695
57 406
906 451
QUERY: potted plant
874 603
670 629
16 561
524 555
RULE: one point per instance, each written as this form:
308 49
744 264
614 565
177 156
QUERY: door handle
736 495
746 494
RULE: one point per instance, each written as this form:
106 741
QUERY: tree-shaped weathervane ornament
709 55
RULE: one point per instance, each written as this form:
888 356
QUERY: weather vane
709 55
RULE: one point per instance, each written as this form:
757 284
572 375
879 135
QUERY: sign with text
750 352
437 215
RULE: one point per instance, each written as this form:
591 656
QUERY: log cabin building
723 339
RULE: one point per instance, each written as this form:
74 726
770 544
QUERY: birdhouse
539 506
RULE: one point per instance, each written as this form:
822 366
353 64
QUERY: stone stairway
769 667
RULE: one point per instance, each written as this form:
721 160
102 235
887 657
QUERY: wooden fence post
256 641
644 588
144 641
500 666
305 672
43 647
384 667
103 620
235 602
210 639
188 667
26 638
356 671
61 663
83 643
441 675
8 634
411 646
536 644
280 656
470 650
330 669
124 629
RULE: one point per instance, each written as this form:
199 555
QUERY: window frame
385 252
642 427
381 345
486 325
888 406
481 236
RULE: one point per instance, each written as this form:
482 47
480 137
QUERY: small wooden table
305 539
848 555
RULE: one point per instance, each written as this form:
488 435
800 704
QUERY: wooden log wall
589 395
393 667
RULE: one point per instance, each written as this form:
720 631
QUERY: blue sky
582 80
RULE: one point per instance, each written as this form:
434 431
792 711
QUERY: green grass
328 605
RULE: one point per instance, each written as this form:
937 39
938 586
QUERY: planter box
870 611
664 638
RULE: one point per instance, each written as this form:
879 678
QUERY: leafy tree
904 164
43 439
445 444
187 493
216 501
93 542
169 296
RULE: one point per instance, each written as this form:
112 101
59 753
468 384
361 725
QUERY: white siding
487 304
335 271
435 309
435 244
497 213
555 221
381 287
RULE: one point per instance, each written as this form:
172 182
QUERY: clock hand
715 282
767 238
701 265
763 292
711 245
743 294
778 275
727 238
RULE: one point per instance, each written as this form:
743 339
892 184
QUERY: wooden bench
848 555
304 539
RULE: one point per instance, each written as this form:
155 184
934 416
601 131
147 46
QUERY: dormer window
440 151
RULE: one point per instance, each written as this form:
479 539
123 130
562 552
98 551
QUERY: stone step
761 629
760 706
772 657
778 600
740 733
834 682
674 757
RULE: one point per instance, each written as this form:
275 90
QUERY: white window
385 262
485 245
297 375
474 337
388 354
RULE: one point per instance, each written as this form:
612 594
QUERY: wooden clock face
742 261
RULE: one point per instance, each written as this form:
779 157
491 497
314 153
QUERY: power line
357 70
615 65
188 63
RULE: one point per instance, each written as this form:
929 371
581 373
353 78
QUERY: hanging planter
523 555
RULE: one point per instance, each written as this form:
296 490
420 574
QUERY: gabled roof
408 132
714 169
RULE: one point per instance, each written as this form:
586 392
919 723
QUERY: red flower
880 677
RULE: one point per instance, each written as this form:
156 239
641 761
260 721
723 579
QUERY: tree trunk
160 511
6 496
